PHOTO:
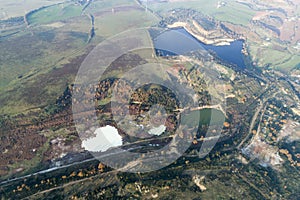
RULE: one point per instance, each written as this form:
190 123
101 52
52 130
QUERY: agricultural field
10 9
58 12
114 23
99 6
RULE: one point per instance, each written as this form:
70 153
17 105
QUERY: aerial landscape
150 99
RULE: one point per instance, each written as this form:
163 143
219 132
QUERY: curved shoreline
186 26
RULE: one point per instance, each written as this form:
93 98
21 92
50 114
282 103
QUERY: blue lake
180 42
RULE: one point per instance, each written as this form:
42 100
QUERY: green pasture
58 12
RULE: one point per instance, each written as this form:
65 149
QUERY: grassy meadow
58 12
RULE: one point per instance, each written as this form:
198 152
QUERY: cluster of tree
62 102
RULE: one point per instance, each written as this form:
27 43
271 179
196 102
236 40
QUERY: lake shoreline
215 42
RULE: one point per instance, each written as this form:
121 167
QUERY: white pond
157 130
106 137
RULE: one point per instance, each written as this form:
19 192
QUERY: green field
280 60
98 6
58 12
112 24
205 116
290 64
20 8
